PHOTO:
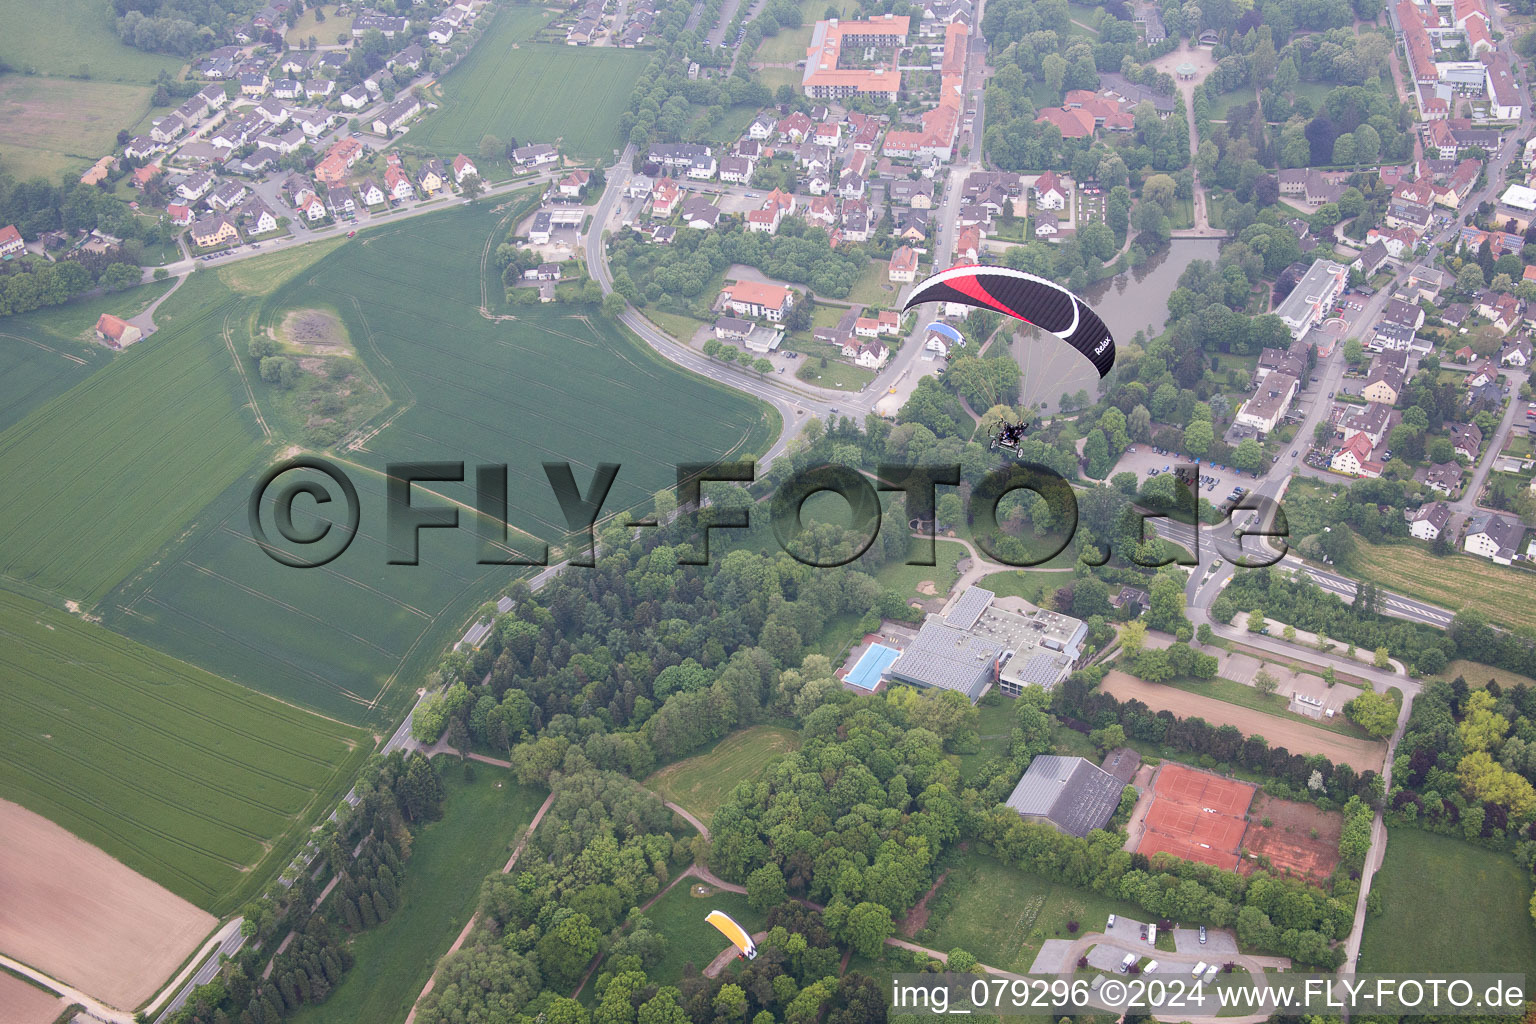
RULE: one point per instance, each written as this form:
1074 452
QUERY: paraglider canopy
939 327
733 931
1025 297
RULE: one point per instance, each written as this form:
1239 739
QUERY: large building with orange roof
941 124
824 80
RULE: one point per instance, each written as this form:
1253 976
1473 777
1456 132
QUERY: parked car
1111 923
1202 927
1198 969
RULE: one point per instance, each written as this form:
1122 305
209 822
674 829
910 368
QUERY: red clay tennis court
1196 816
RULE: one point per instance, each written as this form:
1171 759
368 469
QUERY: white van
1210 972
1125 965
1151 934
1150 968
1111 923
1198 970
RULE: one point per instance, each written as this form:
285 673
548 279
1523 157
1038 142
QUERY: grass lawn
836 374
995 727
326 31
63 36
906 579
50 124
679 915
358 635
1032 585
481 822
873 288
1449 906
1002 915
512 88
772 78
201 785
1455 581
704 781
679 325
1183 215
1247 696
1477 674
45 353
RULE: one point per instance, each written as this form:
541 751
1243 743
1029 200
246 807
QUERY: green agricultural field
1456 581
46 353
481 821
703 782
550 383
117 464
1002 915
64 37
51 123
1450 905
679 915
201 785
512 88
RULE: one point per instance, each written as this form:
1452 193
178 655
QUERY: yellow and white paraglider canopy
733 931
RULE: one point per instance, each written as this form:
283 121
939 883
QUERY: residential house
258 216
730 328
227 196
1354 458
1444 477
1371 421
1269 403
1047 225
370 192
1428 520
1467 439
903 265
1384 384
431 176
536 155
195 187
736 169
180 215
664 198
339 199
355 98
695 161
699 213
396 114
1516 352
1483 373
571 185
1050 194
398 184
1494 537
1372 258
215 230
757 299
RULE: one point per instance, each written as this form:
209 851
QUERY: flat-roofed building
1313 296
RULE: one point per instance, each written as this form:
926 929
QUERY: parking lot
1215 488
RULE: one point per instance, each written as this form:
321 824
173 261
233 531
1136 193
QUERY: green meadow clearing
679 915
481 821
51 124
1002 915
46 353
62 37
201 785
510 87
703 782
557 382
1450 904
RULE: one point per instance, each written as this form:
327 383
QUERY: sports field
449 857
200 785
1196 816
62 37
534 92
554 383
53 123
1449 906
702 783
115 466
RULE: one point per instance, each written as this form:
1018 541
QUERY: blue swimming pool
871 666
